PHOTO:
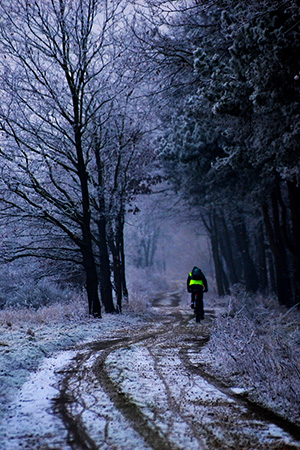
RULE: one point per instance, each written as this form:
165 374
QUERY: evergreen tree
233 145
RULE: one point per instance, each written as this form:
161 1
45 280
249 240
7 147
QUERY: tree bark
91 284
283 284
86 247
222 284
227 253
119 260
294 200
122 261
104 269
114 248
262 261
250 274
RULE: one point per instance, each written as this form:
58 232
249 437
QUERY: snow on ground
176 400
152 377
28 418
24 345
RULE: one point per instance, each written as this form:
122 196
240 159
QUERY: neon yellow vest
199 282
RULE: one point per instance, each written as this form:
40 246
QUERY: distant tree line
229 82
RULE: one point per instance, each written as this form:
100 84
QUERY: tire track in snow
260 411
70 404
24 425
182 408
218 414
132 412
226 422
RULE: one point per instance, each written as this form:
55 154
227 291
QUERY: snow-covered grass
138 302
74 310
25 285
27 335
255 345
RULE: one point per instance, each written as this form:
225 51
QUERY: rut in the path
69 398
131 411
223 421
260 411
78 437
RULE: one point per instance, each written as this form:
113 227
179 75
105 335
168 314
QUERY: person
196 282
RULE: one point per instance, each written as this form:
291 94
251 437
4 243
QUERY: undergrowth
72 310
255 344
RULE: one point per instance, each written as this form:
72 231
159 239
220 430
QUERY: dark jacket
196 282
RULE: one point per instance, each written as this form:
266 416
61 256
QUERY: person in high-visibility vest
196 282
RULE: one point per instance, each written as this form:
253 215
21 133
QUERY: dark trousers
197 299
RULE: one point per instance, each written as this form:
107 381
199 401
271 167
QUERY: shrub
21 286
256 343
138 302
74 310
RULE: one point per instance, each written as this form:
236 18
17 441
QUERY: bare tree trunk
294 199
104 269
283 284
222 282
262 261
122 262
119 261
114 248
91 284
212 229
251 279
227 253
86 247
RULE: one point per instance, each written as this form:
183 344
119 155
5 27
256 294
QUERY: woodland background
124 121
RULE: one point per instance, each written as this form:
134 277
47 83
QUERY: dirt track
148 391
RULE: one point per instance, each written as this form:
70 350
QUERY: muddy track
69 398
176 404
260 411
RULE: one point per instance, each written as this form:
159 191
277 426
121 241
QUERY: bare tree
124 159
55 73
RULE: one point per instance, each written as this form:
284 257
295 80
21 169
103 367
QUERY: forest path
142 390
147 391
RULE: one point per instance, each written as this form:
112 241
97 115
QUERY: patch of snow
104 423
238 391
27 384
31 412
176 402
